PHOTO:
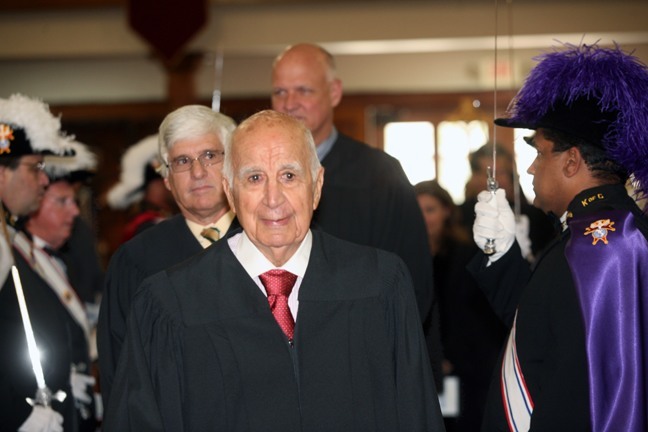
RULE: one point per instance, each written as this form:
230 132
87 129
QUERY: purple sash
608 257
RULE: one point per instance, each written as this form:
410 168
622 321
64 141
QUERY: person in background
81 249
575 359
141 188
279 327
534 229
367 199
27 131
471 333
70 330
191 142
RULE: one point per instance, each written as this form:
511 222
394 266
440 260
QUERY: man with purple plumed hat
577 354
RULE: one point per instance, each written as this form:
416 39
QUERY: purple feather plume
618 80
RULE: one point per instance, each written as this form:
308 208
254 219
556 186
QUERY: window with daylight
413 143
524 156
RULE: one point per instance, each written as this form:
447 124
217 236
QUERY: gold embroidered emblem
6 136
599 230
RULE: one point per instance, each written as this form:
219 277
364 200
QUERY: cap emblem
6 136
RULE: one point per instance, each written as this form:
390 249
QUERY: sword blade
34 355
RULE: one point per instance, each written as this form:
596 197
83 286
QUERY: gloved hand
522 236
42 419
81 386
494 219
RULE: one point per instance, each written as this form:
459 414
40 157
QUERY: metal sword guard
491 186
44 397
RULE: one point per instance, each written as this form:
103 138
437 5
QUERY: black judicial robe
204 353
157 248
367 199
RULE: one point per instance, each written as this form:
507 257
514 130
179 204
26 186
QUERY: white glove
42 419
494 219
81 386
522 236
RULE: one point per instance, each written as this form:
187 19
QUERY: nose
74 209
197 169
531 169
291 101
43 180
273 193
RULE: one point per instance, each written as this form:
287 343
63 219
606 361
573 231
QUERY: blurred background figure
141 189
534 228
59 321
80 248
28 130
71 270
471 333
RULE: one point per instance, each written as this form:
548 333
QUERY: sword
43 395
491 186
218 78
491 183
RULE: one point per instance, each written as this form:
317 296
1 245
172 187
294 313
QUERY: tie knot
278 282
211 233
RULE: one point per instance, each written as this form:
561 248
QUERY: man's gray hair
191 121
271 118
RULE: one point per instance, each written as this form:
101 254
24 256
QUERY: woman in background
470 332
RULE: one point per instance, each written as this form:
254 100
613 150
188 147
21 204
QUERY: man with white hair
191 141
280 327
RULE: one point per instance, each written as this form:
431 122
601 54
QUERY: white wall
88 56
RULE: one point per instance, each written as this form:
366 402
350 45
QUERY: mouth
201 188
276 222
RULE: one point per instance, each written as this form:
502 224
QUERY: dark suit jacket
204 352
157 248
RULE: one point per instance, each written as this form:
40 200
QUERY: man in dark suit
28 130
367 199
575 358
191 146
334 343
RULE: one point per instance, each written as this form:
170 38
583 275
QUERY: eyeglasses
184 163
35 167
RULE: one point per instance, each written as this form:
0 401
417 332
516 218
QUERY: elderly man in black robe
223 342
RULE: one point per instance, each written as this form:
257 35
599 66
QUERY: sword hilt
491 186
44 397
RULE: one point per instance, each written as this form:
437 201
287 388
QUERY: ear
573 162
335 92
166 183
228 194
317 193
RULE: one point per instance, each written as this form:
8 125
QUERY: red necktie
278 285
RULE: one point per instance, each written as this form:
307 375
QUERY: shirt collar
222 224
255 263
325 147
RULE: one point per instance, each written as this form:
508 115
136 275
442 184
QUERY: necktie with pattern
211 233
278 284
